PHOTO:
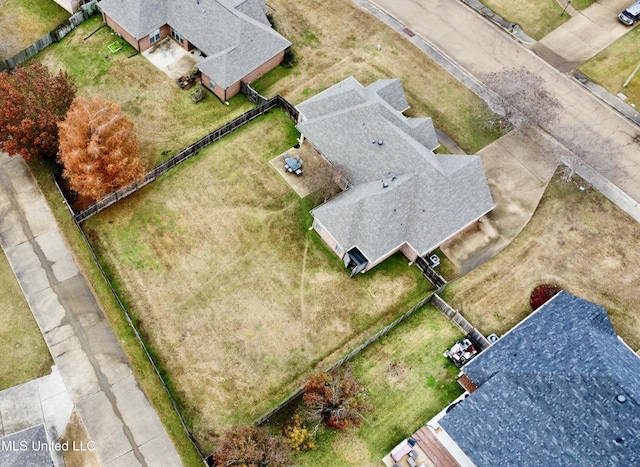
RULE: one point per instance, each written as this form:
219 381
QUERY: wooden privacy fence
297 393
460 321
54 36
186 153
253 95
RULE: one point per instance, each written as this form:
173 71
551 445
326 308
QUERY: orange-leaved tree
335 398
32 102
251 446
98 148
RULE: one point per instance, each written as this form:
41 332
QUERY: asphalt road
479 47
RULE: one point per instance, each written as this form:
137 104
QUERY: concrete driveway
519 167
587 33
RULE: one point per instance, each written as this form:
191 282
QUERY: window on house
154 36
176 35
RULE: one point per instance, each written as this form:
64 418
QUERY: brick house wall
328 239
264 68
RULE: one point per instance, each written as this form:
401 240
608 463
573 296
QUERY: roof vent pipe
379 142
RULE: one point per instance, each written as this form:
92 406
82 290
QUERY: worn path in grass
479 48
96 372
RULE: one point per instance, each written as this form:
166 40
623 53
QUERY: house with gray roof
561 388
401 196
234 36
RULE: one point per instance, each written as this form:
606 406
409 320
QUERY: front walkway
116 414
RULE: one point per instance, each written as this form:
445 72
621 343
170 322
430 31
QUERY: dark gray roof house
401 195
234 35
561 388
28 448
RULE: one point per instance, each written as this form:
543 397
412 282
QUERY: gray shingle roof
26 448
235 35
547 393
427 198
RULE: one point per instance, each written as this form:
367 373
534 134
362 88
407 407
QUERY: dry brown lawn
22 22
336 39
576 239
238 299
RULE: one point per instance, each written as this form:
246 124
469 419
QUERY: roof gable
235 35
401 191
549 390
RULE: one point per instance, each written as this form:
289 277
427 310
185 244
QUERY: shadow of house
401 196
561 388
234 36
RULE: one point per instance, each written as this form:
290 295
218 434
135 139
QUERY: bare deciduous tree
251 446
335 399
522 93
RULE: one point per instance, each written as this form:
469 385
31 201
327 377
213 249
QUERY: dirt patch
397 373
76 435
353 450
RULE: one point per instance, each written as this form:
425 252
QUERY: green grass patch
581 4
141 366
408 382
25 355
611 67
537 18
166 118
22 22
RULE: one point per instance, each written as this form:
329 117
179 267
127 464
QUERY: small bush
298 436
541 294
289 59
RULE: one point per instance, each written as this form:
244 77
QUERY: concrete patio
173 60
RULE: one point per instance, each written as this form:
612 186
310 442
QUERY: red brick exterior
226 94
165 31
264 68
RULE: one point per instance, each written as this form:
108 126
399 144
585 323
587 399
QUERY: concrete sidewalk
585 34
116 414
